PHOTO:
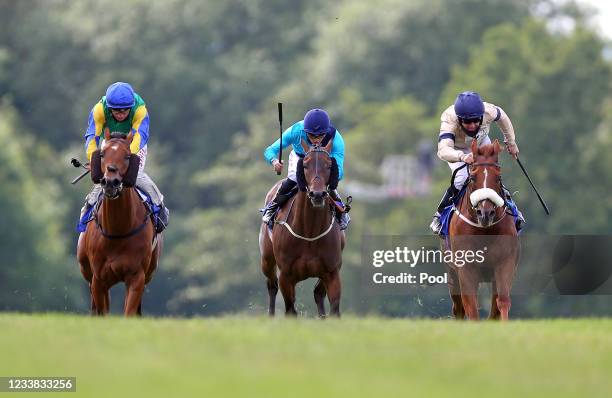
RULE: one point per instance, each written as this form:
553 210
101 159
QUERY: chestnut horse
307 242
481 222
118 245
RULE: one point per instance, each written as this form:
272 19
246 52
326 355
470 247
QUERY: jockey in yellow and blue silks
123 111
316 128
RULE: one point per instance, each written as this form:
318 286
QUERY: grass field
261 357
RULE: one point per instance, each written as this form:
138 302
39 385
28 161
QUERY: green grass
252 357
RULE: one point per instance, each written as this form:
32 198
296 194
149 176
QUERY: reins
286 224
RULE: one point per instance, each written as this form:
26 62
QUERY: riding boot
162 219
90 201
284 193
342 210
520 220
447 200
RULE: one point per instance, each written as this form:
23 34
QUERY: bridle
316 149
487 193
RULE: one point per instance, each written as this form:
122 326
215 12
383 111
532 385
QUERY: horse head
485 181
114 166
317 173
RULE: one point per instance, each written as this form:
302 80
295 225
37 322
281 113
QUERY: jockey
122 110
316 128
468 119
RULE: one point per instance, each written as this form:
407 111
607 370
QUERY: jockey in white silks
468 119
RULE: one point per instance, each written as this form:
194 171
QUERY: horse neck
309 220
121 215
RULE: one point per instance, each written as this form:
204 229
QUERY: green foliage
34 272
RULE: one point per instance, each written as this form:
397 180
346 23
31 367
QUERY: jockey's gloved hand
468 158
278 166
512 149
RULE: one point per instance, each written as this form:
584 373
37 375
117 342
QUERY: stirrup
269 213
344 220
436 225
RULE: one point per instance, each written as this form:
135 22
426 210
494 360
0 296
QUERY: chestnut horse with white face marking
481 222
117 245
307 242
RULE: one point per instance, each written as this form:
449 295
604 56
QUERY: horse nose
319 195
111 168
491 214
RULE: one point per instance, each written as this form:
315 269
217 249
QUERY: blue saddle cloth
146 199
447 213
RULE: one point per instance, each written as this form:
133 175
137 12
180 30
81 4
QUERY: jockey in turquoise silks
122 110
468 119
315 129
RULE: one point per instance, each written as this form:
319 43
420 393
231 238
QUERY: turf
356 357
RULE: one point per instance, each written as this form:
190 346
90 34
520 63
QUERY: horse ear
130 137
475 147
129 179
305 146
107 135
95 167
496 147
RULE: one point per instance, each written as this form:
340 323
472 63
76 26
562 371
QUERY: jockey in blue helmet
468 119
315 129
123 111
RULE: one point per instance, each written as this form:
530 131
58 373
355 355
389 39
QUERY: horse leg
468 279
503 279
455 293
494 312
334 289
268 268
99 292
287 288
135 289
319 297
93 304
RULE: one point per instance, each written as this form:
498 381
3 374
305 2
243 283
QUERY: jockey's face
120 114
471 125
316 139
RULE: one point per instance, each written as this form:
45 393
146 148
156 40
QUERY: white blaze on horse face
115 147
486 193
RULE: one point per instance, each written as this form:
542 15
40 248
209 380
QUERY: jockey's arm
505 125
95 123
446 148
337 153
289 135
140 129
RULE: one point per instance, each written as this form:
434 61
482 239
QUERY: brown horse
481 222
118 246
307 242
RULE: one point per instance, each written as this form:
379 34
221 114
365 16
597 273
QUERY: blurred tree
35 272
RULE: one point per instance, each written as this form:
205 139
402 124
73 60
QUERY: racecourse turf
351 357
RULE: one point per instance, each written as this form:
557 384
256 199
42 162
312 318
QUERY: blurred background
211 73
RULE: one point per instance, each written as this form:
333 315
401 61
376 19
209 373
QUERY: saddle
152 210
